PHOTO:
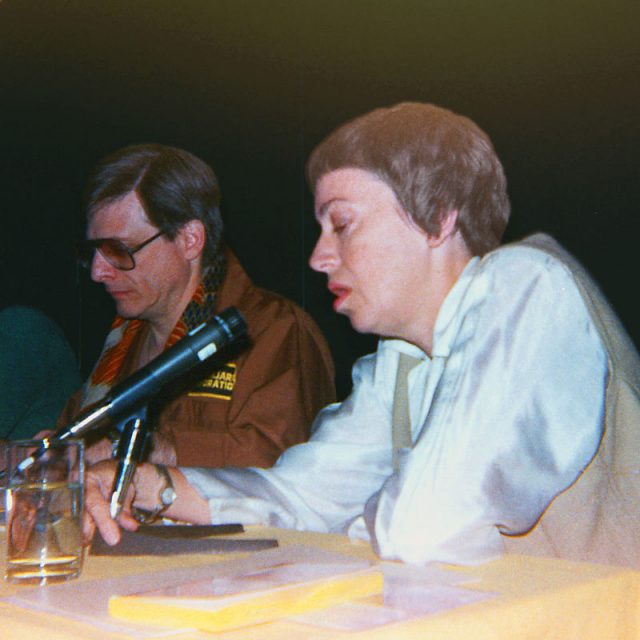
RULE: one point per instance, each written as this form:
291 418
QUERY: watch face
167 496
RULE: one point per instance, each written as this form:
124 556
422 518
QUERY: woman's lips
341 292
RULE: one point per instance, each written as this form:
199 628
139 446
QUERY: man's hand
145 489
100 450
98 486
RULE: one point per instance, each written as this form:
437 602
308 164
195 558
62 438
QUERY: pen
131 450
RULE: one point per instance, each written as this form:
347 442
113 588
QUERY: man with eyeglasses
154 240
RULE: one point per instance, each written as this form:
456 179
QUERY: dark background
251 86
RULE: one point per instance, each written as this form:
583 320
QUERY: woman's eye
340 225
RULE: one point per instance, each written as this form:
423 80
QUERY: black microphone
199 345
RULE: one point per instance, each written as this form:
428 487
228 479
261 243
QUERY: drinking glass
44 501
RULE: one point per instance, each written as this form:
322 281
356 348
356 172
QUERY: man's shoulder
239 290
264 308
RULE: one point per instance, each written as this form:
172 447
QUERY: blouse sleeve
517 416
320 485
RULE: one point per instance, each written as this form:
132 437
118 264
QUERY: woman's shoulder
532 258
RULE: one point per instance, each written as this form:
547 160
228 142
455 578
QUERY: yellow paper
215 614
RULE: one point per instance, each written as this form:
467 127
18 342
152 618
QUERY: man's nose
101 269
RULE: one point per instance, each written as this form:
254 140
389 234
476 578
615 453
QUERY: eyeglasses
114 251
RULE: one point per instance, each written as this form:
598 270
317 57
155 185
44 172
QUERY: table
538 598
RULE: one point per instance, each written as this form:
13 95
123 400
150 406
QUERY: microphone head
233 323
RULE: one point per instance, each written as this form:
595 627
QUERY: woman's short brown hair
434 160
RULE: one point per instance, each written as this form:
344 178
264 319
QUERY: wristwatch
166 498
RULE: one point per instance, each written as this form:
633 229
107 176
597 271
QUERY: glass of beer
44 501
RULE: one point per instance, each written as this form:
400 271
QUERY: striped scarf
123 333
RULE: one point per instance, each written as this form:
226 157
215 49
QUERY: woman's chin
359 324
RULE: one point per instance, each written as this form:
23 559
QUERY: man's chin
127 311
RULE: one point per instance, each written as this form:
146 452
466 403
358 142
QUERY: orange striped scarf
123 333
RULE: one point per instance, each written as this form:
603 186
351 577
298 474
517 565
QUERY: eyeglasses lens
113 251
117 254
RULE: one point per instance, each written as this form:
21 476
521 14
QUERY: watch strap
166 497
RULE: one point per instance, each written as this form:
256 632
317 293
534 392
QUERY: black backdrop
252 85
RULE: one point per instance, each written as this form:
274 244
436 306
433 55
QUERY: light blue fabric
505 415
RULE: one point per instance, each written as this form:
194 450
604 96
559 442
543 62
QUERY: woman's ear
192 237
448 228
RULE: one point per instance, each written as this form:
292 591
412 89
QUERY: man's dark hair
173 187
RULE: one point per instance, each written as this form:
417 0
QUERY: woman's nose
323 256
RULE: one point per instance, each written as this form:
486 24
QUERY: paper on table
88 600
288 586
409 592
425 590
320 595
